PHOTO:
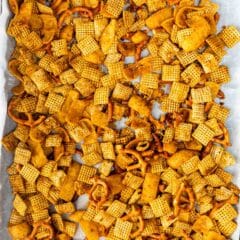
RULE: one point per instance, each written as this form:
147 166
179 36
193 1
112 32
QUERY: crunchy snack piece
91 74
160 207
187 58
171 73
86 173
30 173
203 134
19 205
230 36
101 96
178 92
228 228
132 181
192 75
22 156
183 132
139 105
149 80
201 95
219 112
150 187
122 229
59 47
168 105
220 75
91 44
116 209
225 213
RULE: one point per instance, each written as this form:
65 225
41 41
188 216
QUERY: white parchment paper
230 14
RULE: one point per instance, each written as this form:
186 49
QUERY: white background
230 14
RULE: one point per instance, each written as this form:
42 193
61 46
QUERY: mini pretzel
226 138
110 111
134 213
39 224
141 163
96 202
179 198
133 143
64 134
147 153
139 50
27 122
82 10
161 236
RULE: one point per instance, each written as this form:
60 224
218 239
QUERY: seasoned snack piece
120 103
230 35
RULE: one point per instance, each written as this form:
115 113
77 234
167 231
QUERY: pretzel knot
135 214
28 119
81 10
36 226
184 199
141 163
161 236
93 199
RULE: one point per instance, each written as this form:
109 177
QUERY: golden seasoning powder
154 179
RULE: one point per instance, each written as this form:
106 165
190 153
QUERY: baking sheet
230 14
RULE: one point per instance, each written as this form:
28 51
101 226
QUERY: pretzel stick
207 149
110 111
208 107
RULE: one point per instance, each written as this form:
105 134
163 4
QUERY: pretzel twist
81 10
181 199
27 122
135 213
141 163
39 224
96 202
